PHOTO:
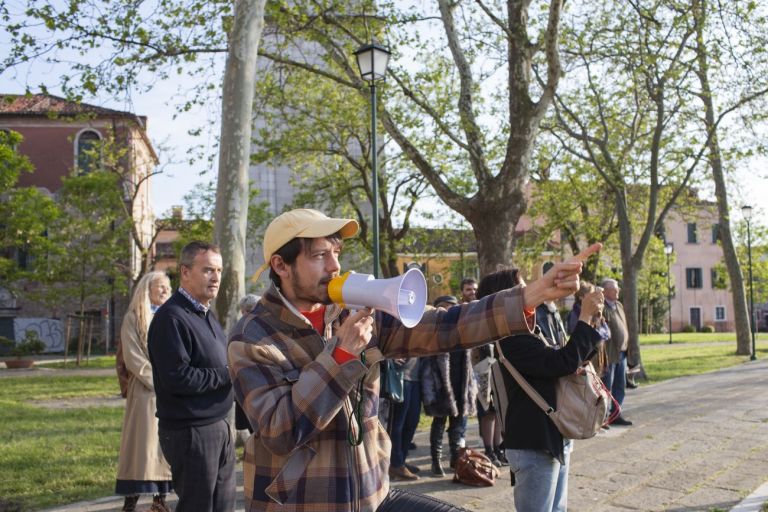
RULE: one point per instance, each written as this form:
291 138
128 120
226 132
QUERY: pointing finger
586 253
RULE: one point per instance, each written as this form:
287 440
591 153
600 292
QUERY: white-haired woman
142 469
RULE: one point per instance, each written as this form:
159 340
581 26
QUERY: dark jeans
202 461
615 379
405 421
401 500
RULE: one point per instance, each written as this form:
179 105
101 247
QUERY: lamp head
668 249
746 211
372 60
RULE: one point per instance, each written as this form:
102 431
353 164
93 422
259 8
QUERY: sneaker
619 420
401 474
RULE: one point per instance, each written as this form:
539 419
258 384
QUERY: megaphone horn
403 297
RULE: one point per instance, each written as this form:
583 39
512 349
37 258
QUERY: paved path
698 443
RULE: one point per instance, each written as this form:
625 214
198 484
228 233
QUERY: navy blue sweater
188 352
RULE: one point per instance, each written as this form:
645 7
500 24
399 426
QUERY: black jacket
188 352
527 427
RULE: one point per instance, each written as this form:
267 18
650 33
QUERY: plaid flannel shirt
298 399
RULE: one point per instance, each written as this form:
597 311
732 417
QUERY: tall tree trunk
740 313
494 229
232 189
631 263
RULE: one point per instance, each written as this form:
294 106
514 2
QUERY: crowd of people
301 375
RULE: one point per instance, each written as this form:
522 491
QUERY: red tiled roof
44 105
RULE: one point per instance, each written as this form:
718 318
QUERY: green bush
31 344
707 328
689 328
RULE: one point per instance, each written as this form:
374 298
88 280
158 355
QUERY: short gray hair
610 283
248 302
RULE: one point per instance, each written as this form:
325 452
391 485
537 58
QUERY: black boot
129 505
436 450
501 455
454 443
491 454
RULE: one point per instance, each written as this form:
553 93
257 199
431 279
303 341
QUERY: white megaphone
403 297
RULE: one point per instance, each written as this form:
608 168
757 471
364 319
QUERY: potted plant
31 344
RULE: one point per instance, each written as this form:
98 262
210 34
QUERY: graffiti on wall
51 331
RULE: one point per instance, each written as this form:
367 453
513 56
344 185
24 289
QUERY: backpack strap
535 396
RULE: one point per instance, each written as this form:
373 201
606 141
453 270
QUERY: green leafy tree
467 119
88 257
112 155
328 150
652 288
26 214
759 235
446 87
725 90
127 42
627 115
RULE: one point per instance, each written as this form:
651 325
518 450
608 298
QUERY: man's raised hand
559 281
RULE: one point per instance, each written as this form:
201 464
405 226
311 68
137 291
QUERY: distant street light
746 211
372 60
668 249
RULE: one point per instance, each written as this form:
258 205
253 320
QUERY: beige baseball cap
302 223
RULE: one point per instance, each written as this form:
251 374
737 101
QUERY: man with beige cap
306 372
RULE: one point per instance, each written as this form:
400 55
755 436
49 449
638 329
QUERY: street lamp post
372 60
668 249
747 212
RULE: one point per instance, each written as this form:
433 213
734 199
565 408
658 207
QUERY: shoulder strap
535 396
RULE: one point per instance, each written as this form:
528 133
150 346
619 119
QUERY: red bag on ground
474 468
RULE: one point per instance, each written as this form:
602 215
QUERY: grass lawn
56 456
694 337
95 362
663 362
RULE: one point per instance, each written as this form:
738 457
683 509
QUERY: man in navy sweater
188 352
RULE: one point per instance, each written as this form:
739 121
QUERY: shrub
689 328
707 328
31 344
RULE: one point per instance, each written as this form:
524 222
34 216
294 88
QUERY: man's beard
316 293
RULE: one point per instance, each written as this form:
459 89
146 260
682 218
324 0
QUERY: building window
87 142
692 238
719 313
693 277
715 233
164 250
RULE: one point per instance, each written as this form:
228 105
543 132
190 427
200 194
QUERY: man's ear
279 265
